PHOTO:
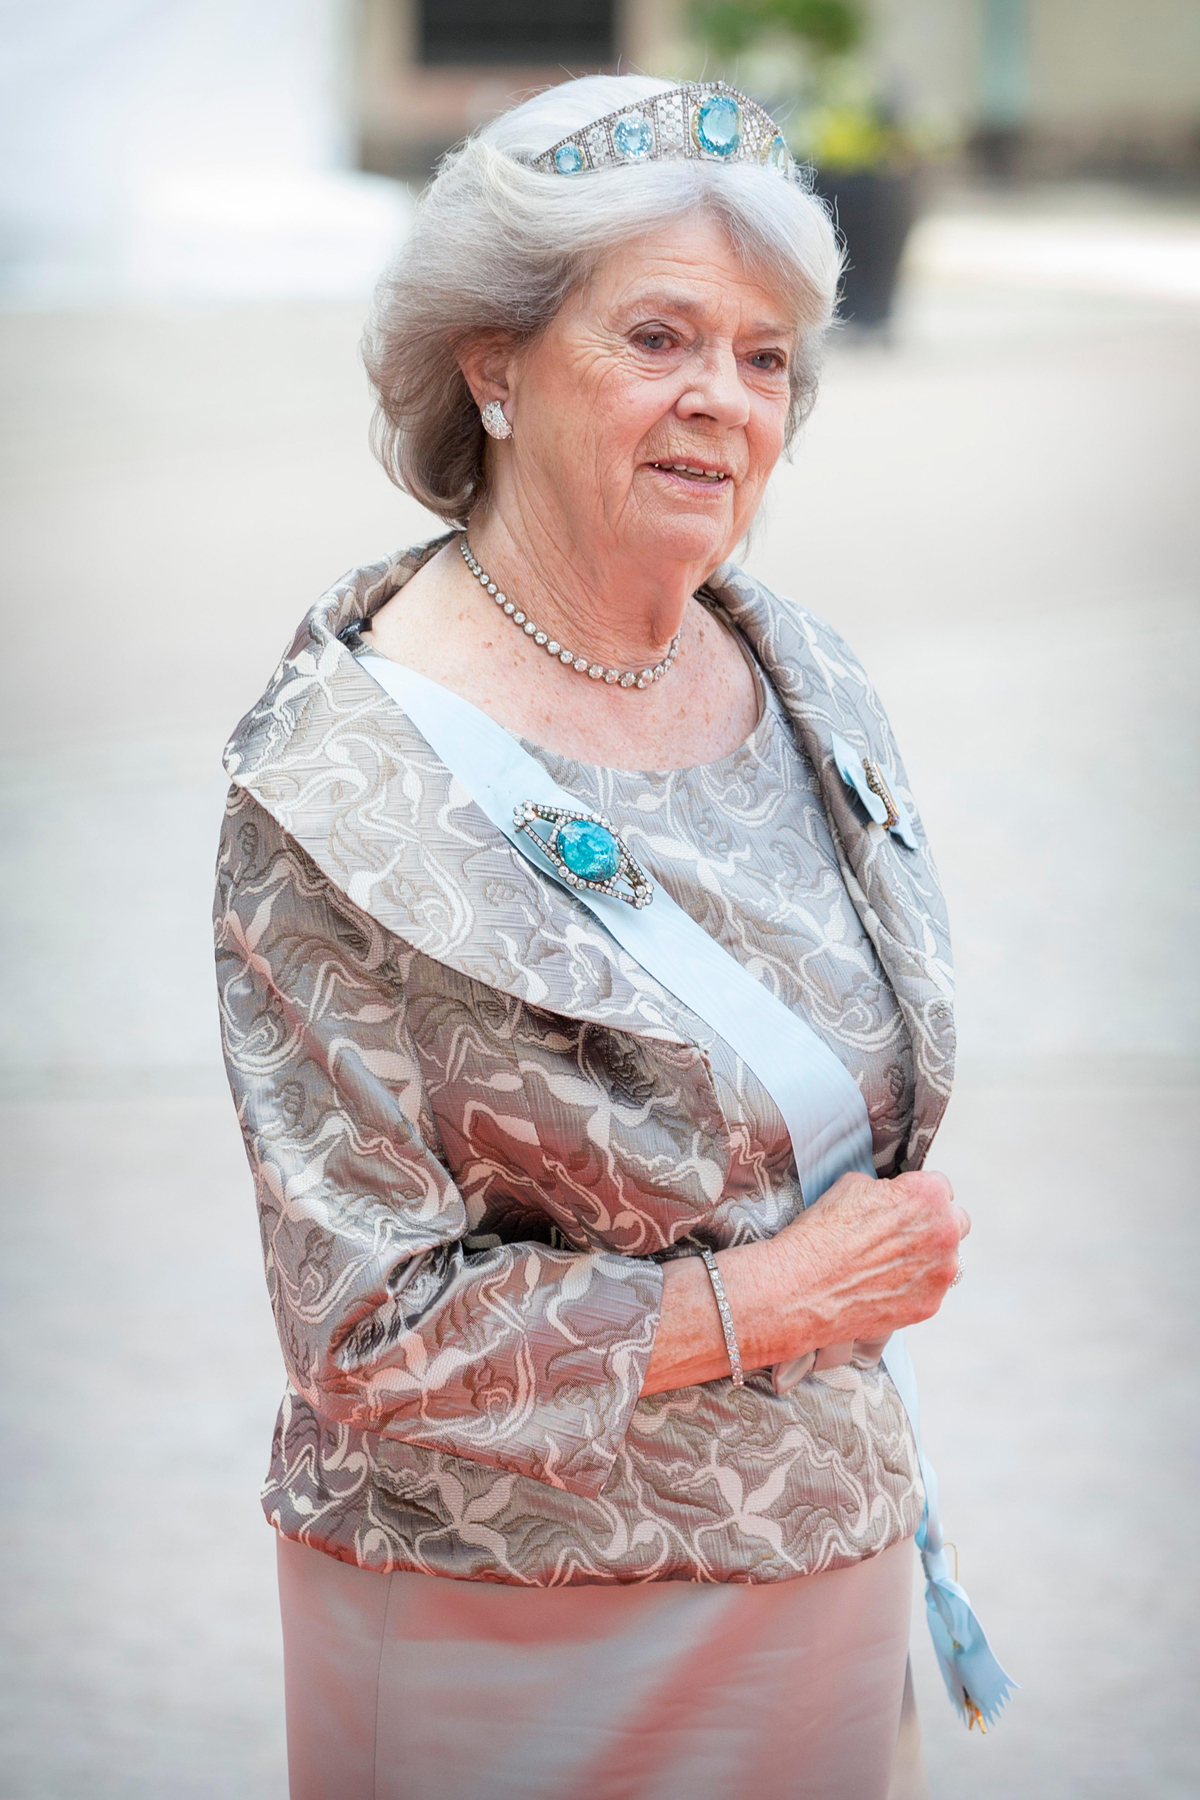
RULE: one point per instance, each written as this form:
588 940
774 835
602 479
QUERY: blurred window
517 31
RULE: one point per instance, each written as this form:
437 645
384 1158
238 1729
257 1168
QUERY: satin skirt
414 1687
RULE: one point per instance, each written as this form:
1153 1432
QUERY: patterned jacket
473 1123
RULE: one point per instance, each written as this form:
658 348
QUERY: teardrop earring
494 421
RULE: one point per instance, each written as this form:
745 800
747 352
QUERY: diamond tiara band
702 121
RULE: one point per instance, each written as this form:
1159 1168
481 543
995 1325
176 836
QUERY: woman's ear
488 366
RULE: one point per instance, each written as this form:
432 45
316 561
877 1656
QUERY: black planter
875 210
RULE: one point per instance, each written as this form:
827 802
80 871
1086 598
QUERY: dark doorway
572 32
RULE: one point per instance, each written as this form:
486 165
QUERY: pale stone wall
1088 82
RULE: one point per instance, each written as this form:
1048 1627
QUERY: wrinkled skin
671 353
867 1259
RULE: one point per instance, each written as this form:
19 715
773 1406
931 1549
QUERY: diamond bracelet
722 1300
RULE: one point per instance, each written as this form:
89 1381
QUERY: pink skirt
413 1687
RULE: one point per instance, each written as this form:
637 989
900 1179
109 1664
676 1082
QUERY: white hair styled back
497 246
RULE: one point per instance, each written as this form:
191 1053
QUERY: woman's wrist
767 1286
767 1290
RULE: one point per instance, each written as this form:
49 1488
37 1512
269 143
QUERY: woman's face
652 410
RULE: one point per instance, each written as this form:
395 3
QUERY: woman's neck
619 608
439 624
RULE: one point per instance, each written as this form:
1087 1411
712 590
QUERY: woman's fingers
934 1189
929 1185
871 1256
936 1228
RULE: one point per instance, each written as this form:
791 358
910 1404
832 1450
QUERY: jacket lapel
340 767
337 763
895 890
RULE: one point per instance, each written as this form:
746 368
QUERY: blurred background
995 501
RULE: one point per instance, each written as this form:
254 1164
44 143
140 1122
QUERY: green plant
825 27
803 58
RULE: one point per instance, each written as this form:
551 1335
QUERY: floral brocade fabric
743 845
474 1124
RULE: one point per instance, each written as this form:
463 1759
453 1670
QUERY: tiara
705 121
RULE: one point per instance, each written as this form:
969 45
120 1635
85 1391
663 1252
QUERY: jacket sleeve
517 1355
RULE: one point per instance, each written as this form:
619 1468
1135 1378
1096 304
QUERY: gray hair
497 247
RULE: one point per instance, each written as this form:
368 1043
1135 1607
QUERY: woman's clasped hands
868 1258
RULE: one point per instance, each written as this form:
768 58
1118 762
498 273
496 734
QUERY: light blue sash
825 1114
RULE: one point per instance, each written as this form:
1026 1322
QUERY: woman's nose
716 391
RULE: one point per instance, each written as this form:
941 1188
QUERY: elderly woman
585 988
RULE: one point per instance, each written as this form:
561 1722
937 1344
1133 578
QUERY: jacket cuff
534 1365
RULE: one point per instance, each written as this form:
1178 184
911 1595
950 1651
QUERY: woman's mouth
693 472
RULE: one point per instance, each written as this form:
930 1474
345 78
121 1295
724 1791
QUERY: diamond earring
494 421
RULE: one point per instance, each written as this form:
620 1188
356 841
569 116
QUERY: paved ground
999 512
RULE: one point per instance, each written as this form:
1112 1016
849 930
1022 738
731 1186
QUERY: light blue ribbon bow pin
876 788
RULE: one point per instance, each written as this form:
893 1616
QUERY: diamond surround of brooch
586 852
582 665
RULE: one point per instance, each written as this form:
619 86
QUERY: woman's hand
868 1258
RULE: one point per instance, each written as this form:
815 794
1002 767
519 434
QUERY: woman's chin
686 535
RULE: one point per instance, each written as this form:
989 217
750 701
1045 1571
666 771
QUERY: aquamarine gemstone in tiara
633 137
718 125
778 155
568 159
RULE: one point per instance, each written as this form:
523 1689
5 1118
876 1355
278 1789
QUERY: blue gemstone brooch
586 852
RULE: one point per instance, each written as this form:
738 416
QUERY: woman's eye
654 340
767 360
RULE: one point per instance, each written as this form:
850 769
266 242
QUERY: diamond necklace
626 678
